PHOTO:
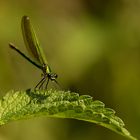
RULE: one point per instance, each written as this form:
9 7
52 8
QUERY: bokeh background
94 47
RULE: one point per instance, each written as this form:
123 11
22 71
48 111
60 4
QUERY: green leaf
59 104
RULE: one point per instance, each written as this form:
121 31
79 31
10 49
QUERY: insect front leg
40 83
47 83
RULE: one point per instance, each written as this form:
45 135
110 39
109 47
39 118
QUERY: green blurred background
94 47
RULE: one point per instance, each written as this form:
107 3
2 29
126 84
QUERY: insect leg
57 84
42 80
47 83
41 85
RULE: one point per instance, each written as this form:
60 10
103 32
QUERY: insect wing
31 41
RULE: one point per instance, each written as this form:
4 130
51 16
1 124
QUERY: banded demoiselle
34 48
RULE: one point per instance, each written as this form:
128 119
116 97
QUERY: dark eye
55 75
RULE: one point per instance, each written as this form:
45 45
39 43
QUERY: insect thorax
48 73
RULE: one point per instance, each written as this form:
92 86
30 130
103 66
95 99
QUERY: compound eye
55 75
